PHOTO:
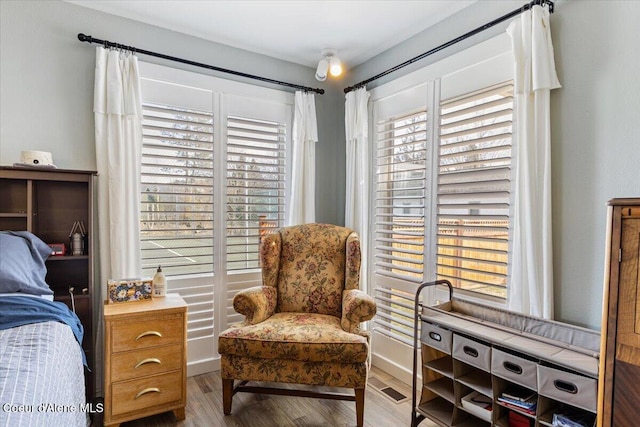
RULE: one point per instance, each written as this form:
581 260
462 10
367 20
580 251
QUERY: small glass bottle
159 283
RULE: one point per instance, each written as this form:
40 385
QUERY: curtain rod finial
83 38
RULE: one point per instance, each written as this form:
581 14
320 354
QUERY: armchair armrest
357 307
352 270
256 304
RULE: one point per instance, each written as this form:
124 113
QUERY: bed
41 361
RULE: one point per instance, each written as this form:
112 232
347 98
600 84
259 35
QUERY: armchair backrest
310 265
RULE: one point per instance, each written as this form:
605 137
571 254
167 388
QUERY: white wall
596 142
595 127
46 84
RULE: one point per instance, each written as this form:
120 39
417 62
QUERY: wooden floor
204 408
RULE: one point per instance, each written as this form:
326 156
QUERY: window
214 175
400 189
474 187
176 213
442 188
177 188
470 202
400 195
255 186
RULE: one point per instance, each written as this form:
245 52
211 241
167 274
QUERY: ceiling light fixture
329 63
335 66
321 71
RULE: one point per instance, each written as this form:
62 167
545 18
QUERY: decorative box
58 249
478 404
127 290
519 420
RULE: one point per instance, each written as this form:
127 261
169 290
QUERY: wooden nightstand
145 356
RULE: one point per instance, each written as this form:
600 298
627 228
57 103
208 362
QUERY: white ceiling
294 31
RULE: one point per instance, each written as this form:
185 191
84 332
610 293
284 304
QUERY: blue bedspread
18 310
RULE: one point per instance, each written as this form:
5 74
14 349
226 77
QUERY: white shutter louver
395 314
474 183
399 220
176 212
400 196
255 187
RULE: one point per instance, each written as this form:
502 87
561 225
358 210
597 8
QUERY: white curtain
356 215
531 290
303 174
118 113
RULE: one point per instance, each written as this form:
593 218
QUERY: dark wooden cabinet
619 385
47 202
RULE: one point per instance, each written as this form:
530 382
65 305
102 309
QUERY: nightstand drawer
135 395
149 361
161 330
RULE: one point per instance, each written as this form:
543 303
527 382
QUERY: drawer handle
512 367
148 390
470 351
148 333
435 337
149 360
565 386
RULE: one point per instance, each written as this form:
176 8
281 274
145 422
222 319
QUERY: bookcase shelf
56 258
13 215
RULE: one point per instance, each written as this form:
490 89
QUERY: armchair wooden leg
227 395
360 406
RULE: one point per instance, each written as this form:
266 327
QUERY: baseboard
400 372
203 366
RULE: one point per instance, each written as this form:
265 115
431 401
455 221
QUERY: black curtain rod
106 44
452 42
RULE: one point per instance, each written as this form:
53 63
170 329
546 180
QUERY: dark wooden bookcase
47 202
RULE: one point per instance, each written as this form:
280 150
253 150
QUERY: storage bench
468 348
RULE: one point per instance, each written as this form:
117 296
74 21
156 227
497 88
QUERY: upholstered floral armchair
302 325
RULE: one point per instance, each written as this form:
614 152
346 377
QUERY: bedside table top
171 301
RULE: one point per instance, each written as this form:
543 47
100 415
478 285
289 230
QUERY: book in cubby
520 399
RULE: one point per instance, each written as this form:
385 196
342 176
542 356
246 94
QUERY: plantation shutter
177 201
455 190
213 174
400 195
177 190
399 222
255 186
474 182
256 138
